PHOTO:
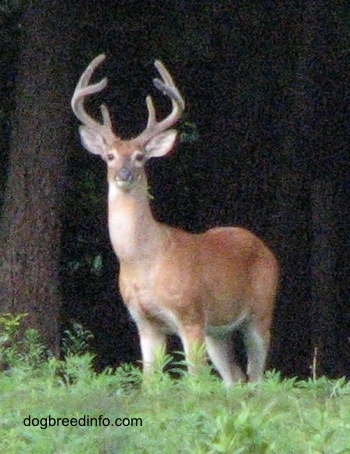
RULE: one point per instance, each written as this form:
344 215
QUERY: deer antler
167 87
82 90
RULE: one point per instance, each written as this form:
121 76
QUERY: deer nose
125 175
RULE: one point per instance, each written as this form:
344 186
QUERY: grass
190 415
63 407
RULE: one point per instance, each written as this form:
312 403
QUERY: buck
198 286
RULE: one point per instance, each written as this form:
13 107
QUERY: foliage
17 349
190 415
76 340
78 360
8 7
26 351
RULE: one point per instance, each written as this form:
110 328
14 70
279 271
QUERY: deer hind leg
257 341
151 341
222 356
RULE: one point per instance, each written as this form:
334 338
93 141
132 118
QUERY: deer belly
223 330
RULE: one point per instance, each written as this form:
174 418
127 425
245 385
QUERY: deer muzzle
125 178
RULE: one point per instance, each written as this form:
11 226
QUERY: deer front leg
193 341
152 340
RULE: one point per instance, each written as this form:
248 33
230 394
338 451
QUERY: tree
30 224
310 199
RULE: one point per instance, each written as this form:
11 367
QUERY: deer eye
110 157
139 158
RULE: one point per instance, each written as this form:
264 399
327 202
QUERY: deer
199 286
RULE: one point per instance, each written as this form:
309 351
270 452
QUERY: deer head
126 158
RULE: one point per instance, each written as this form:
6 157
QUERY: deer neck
135 235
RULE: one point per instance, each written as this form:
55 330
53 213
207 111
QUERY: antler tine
168 88
106 117
164 72
151 112
83 90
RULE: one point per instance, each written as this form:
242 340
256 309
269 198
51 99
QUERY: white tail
199 286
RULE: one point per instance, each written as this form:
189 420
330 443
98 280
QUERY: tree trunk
30 230
291 350
323 278
312 149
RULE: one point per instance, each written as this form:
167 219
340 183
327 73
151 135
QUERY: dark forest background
264 145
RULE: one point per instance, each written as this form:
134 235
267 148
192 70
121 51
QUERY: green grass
189 415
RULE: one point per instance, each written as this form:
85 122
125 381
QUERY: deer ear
161 144
92 141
